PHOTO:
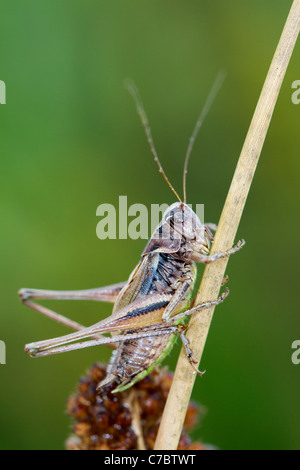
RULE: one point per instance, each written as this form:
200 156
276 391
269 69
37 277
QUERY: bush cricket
151 307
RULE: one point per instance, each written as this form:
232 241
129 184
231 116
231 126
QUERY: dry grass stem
136 419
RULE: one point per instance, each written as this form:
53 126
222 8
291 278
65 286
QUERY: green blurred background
71 140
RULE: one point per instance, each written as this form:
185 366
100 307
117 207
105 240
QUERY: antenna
131 87
209 101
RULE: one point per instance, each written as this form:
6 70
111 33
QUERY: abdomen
135 356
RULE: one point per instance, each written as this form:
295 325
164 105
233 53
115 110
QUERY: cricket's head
180 233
